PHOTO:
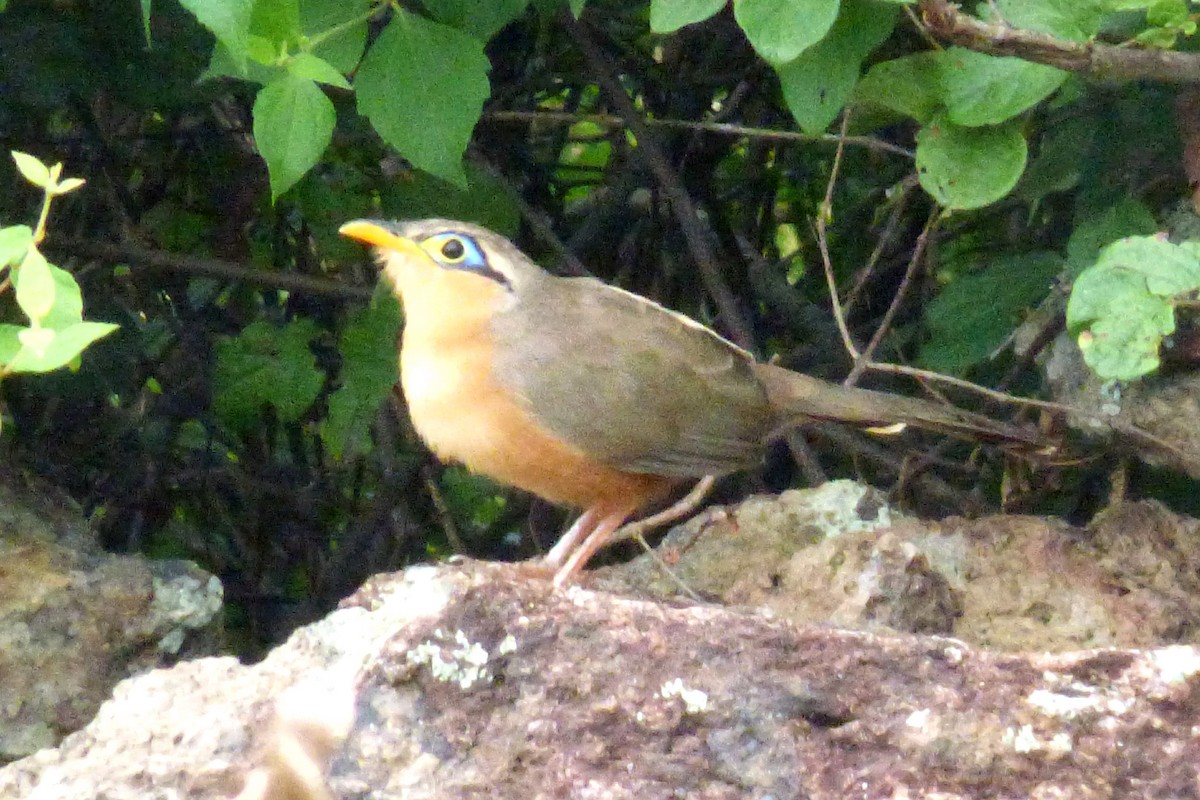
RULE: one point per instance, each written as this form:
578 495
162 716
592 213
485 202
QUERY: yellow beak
380 235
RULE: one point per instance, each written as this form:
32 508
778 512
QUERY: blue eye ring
453 250
460 251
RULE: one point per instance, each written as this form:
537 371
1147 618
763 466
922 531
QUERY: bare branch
945 21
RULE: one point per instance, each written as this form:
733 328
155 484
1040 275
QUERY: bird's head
433 260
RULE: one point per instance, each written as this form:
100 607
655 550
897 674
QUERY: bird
587 395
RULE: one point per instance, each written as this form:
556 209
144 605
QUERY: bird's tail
797 398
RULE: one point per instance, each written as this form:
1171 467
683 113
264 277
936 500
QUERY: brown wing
629 382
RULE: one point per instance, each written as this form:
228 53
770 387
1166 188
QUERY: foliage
235 415
1123 306
46 294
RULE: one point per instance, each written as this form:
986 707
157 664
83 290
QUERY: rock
483 681
74 620
1152 418
839 555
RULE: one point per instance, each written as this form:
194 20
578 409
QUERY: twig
146 258
536 219
677 510
444 517
885 324
805 459
885 238
1089 58
696 234
822 222
719 128
928 483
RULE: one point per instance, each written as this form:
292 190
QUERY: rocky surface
473 680
74 620
483 681
840 555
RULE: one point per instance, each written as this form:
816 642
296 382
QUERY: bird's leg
596 538
596 527
681 508
578 531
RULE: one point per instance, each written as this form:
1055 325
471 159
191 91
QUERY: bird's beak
380 234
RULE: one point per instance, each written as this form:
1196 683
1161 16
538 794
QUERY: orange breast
465 416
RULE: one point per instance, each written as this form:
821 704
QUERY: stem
317 39
39 232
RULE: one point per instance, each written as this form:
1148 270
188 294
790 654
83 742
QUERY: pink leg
596 538
577 532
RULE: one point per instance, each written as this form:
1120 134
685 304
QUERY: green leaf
668 16
68 185
422 85
223 65
1074 20
1122 346
61 335
818 83
35 285
276 21
54 349
34 170
976 89
1122 307
263 51
34 341
780 30
577 7
68 301
969 167
338 29
10 342
1158 38
965 331
369 372
293 124
229 21
979 89
14 242
481 20
1167 13
306 65
911 86
266 364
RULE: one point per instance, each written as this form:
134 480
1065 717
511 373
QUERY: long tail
797 397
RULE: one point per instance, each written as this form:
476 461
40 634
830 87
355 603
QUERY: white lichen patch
1070 699
464 663
1065 706
918 719
507 645
694 700
1176 663
1024 740
837 504
1060 743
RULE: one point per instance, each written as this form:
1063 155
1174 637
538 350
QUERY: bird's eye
453 249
